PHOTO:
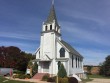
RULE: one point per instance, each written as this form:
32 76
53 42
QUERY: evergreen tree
62 72
105 68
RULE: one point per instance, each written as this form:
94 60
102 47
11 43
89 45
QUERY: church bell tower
50 32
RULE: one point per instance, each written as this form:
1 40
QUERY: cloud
24 36
87 11
93 56
84 34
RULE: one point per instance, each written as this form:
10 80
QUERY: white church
54 50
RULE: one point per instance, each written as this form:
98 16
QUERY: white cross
53 2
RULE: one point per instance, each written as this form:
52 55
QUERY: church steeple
51 24
52 15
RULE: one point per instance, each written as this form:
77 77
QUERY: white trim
37 50
63 45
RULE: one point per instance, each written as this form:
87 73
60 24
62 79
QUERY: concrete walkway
99 80
29 80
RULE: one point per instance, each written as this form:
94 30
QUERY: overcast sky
85 24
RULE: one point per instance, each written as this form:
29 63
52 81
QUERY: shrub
27 76
72 80
45 77
64 80
18 72
22 76
62 72
34 68
51 79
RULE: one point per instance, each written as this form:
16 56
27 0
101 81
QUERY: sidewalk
30 80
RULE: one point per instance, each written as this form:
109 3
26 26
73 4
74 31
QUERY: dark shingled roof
70 48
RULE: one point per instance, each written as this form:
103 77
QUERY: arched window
50 27
62 52
46 28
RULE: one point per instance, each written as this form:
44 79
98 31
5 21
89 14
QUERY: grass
98 76
90 78
4 80
86 80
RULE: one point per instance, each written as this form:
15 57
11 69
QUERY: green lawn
4 80
90 78
98 76
86 80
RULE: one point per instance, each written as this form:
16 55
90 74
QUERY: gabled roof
70 48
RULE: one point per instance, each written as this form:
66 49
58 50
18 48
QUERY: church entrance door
45 66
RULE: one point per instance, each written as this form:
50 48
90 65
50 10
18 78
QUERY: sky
85 24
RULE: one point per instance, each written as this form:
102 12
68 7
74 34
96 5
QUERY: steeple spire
52 15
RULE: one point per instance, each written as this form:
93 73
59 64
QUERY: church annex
53 50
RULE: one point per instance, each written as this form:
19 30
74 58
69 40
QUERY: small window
72 61
76 62
55 27
46 28
57 30
39 54
62 52
59 64
50 27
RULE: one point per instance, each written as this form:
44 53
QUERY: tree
35 68
62 72
89 67
105 68
13 57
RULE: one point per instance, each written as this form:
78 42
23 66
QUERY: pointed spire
52 14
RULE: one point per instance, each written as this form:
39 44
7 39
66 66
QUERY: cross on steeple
52 15
52 2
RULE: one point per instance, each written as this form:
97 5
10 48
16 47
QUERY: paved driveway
100 80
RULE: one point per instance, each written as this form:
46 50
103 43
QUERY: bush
60 80
72 80
34 68
22 76
27 76
18 72
51 79
62 72
63 80
45 77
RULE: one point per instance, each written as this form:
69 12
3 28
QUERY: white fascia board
63 45
37 50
